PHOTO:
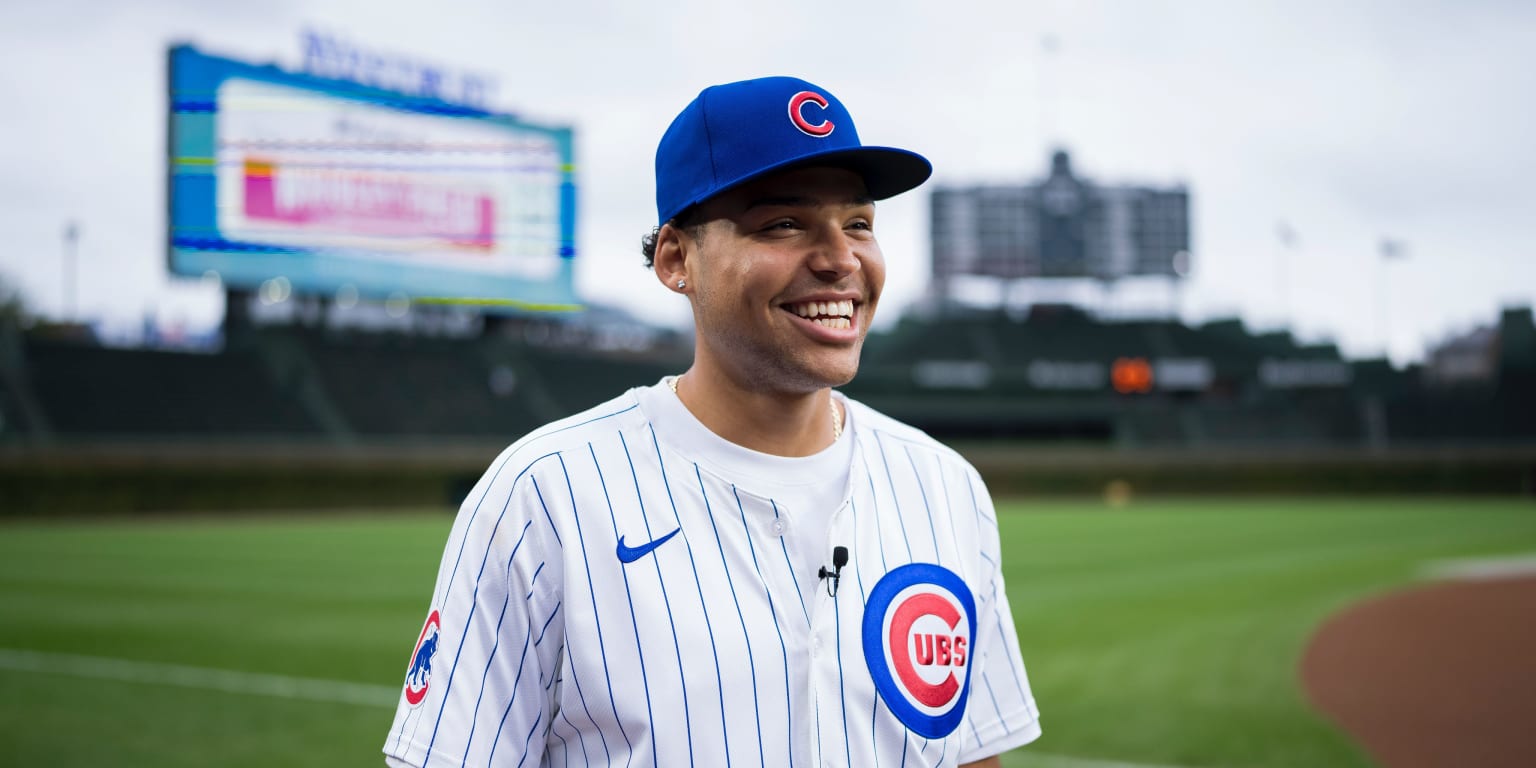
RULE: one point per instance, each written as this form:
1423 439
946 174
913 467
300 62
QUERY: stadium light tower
68 265
1049 52
1286 235
1390 250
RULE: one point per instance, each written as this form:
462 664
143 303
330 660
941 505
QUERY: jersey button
779 527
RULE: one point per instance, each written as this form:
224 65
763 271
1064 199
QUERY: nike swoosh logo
631 554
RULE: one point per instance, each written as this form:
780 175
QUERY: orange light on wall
1131 375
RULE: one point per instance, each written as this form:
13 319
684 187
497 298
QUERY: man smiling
784 275
735 565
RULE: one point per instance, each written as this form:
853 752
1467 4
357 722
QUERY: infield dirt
1437 675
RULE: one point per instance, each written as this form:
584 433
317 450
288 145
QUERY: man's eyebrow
801 201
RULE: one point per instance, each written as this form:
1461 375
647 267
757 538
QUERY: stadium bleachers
402 386
1234 407
968 376
97 391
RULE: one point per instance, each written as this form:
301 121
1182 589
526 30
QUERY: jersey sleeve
481 684
1001 713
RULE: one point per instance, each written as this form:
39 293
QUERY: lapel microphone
839 559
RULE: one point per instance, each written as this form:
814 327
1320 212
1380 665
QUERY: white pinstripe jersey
543 647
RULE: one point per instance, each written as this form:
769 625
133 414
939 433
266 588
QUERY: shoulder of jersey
870 420
575 430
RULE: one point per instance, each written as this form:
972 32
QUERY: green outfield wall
159 478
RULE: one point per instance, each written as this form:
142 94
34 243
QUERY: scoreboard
1061 227
336 186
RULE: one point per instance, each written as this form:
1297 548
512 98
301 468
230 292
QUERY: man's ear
674 249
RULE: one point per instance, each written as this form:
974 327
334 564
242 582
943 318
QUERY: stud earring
681 284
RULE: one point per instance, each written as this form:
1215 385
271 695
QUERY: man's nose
836 254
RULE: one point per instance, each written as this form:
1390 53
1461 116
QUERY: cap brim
887 171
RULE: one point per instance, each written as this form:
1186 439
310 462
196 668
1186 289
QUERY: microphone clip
839 559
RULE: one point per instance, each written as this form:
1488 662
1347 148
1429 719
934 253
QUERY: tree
13 308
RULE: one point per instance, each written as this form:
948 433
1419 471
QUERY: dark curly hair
688 220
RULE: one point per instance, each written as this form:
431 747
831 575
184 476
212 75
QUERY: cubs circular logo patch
918 629
419 676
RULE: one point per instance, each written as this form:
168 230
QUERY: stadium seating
965 376
96 391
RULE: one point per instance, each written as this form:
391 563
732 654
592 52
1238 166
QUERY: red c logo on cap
797 103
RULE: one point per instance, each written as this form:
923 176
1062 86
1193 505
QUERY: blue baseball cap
731 134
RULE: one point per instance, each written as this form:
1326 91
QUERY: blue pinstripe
414 729
987 681
645 680
949 510
954 540
677 647
547 622
532 438
555 529
580 740
980 514
521 662
900 518
918 478
879 533
439 599
709 512
474 603
842 695
773 610
790 566
529 440
927 508
446 586
565 746
820 751
582 697
596 616
709 625
474 719
535 579
874 705
996 612
1003 638
526 741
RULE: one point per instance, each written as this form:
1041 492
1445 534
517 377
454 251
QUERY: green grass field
1164 633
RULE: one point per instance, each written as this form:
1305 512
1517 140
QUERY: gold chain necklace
837 418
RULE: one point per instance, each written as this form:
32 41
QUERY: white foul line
309 689
1048 760
1481 568
203 678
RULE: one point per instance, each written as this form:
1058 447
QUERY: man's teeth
829 314
833 322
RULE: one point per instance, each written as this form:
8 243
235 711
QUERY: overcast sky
1346 122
